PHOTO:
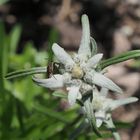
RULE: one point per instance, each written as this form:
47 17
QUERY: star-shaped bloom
78 70
102 106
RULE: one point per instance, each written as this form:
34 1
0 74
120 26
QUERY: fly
52 68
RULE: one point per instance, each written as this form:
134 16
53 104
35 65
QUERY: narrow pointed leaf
93 46
120 58
50 113
59 94
53 37
4 50
78 131
26 72
14 38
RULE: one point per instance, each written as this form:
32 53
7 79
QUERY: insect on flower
52 68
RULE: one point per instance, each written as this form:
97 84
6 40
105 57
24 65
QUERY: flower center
77 72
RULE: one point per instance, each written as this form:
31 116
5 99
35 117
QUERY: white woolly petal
88 108
105 82
99 122
85 41
67 78
79 96
62 55
84 88
93 61
104 92
100 116
120 102
73 94
55 82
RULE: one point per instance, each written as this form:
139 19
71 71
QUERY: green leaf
3 1
26 72
3 60
52 130
8 110
59 94
2 37
104 135
50 113
53 37
123 125
93 46
4 51
120 58
14 38
78 130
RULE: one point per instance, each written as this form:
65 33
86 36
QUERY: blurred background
27 30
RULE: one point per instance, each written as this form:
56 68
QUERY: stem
110 125
116 136
91 116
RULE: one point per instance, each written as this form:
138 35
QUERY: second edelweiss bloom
102 106
78 70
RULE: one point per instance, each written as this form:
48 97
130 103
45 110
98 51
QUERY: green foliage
120 58
28 111
3 1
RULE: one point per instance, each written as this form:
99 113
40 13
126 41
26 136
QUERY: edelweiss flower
78 73
101 106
